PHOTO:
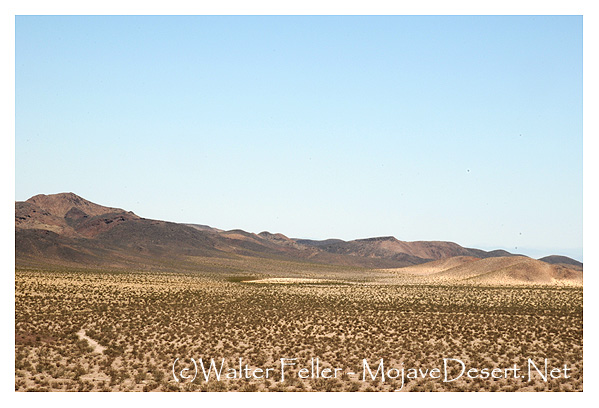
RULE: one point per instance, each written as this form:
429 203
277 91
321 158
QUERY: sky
456 128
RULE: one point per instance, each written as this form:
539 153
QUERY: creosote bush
145 320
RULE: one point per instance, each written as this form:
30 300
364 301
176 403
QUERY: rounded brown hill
532 271
68 215
561 260
514 270
60 204
438 266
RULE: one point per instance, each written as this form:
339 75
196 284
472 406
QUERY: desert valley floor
114 330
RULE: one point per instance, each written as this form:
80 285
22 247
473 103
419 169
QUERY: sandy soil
292 280
94 344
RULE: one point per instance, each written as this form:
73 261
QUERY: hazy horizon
456 128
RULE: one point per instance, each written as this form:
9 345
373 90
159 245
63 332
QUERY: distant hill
410 253
514 270
60 204
561 260
438 266
68 215
67 229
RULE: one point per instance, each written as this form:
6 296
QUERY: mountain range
66 229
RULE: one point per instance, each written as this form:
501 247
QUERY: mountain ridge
65 227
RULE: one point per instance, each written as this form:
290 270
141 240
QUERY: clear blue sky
465 129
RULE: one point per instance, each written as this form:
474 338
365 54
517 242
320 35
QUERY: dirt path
94 344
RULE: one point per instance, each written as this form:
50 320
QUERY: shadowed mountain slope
65 228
